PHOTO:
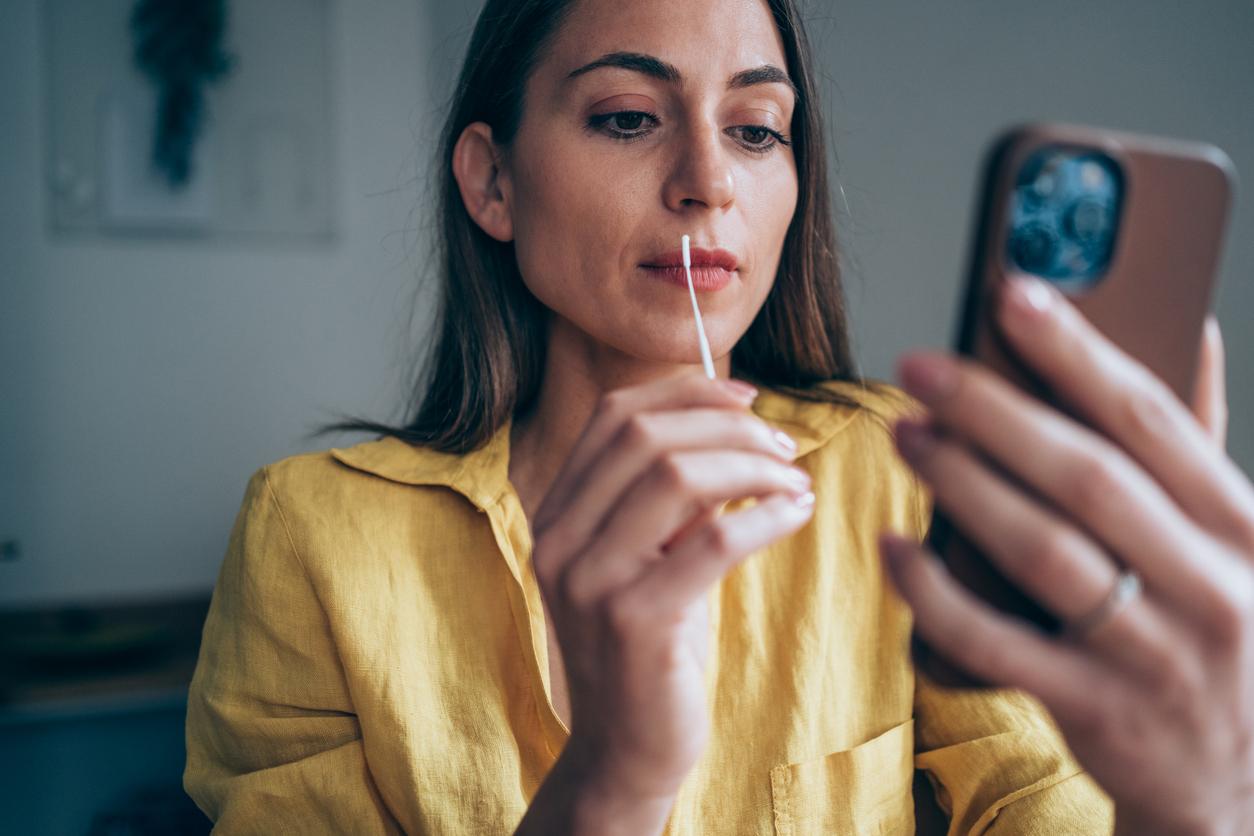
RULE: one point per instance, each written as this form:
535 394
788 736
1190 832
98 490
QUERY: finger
685 391
660 503
1094 482
699 521
699 560
994 648
641 440
1057 565
1127 402
1048 558
1210 399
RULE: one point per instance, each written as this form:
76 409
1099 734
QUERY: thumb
1210 399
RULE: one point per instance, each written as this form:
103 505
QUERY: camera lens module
1064 216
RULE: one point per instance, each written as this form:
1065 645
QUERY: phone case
1152 297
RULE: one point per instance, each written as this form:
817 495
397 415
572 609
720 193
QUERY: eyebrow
659 69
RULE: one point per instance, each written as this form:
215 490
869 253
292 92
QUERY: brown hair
489 352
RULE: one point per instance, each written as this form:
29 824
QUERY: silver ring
1127 589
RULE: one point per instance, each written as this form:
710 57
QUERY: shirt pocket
865 790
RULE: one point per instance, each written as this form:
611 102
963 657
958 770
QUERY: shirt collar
482 475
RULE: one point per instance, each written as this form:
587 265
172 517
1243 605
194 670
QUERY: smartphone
1130 228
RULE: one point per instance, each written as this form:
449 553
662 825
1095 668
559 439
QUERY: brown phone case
1151 299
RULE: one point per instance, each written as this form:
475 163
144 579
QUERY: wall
144 380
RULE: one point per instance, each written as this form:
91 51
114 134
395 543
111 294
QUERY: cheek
774 207
574 217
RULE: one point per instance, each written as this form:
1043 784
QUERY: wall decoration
231 103
178 46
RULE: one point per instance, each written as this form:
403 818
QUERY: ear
484 186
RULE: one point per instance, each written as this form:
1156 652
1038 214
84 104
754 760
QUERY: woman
587 590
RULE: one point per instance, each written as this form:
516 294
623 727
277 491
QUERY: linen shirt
375 660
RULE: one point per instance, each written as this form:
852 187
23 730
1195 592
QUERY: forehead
705 39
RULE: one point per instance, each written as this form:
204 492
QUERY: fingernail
785 441
929 377
739 389
915 440
806 500
1027 297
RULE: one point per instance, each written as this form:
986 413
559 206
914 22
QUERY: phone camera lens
1043 186
1088 221
1034 247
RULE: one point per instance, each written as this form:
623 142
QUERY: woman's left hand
1157 701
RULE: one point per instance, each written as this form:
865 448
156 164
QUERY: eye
758 138
755 134
629 125
623 124
628 120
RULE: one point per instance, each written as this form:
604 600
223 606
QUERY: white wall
143 381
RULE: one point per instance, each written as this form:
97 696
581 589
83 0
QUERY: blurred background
158 346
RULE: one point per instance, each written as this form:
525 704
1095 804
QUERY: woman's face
646 120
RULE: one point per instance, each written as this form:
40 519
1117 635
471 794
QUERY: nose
702 173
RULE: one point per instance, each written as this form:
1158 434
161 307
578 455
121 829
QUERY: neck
578 372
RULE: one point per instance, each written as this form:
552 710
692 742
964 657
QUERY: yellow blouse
374 661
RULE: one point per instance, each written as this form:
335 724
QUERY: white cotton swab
706 360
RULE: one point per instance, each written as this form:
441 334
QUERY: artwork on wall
177 45
136 193
190 117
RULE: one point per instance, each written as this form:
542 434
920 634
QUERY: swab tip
687 252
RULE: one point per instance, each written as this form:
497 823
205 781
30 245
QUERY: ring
1127 589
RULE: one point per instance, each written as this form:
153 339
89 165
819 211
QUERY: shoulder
845 437
293 474
307 483
285 498
838 411
364 522
367 487
876 400
361 470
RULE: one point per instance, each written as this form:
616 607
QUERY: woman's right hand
626 544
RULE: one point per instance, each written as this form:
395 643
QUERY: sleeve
996 760
273 744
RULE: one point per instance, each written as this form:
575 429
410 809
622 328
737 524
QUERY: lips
711 269
700 258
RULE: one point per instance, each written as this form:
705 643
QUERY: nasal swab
706 360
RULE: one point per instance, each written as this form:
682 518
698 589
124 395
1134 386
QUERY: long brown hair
489 352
